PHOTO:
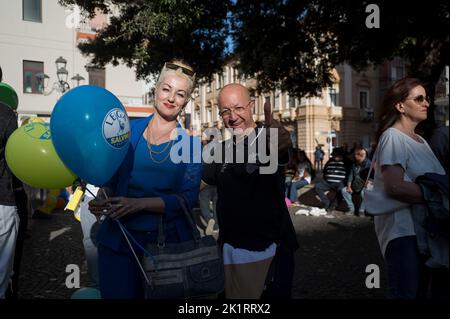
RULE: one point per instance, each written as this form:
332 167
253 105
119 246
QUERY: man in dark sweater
334 175
356 180
9 184
255 229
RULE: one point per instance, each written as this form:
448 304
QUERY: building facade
343 114
34 34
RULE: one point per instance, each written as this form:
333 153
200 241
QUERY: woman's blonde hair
179 68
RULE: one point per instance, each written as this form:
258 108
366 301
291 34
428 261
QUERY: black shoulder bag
188 269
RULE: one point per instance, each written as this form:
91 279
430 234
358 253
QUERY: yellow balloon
31 156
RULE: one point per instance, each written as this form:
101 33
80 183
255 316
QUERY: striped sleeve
335 172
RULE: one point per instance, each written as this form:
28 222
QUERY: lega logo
116 128
40 131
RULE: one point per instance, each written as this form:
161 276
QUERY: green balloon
32 158
8 96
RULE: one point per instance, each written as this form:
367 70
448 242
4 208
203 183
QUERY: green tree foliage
289 44
276 41
145 33
416 32
295 43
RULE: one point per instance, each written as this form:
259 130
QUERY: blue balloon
91 132
86 293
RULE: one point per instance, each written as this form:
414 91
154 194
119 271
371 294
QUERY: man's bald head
234 89
236 99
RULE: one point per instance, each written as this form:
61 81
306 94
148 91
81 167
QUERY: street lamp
60 63
61 85
78 78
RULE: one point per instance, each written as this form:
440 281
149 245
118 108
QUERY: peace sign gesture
268 117
284 137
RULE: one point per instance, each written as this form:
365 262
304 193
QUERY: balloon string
95 196
91 193
104 193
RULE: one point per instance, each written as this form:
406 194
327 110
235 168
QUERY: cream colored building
35 33
311 121
344 113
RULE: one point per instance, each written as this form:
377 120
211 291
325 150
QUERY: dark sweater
8 123
251 210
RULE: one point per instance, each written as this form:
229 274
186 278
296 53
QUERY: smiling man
236 107
255 228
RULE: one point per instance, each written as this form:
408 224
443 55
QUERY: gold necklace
149 145
153 151
149 138
164 159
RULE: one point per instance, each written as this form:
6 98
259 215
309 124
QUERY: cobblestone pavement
330 263
54 243
333 255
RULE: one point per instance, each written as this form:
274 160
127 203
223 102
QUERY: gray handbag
189 269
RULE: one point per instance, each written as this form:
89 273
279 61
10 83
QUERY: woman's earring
182 111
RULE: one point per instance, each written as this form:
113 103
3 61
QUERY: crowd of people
245 208
344 174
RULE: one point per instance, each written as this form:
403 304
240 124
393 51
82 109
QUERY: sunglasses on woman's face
420 99
175 67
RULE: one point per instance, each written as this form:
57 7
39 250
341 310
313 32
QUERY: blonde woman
144 187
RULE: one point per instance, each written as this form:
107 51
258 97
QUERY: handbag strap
189 216
124 232
374 161
141 268
161 237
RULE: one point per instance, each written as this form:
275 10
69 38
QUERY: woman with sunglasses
401 157
144 187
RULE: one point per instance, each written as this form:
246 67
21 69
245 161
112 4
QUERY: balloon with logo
91 132
8 96
31 156
29 120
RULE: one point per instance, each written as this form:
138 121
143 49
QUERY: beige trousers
246 281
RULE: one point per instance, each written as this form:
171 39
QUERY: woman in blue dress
144 187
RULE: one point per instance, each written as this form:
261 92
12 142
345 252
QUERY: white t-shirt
395 147
301 170
233 255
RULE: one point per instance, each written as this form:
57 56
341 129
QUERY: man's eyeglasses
175 67
225 113
420 99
